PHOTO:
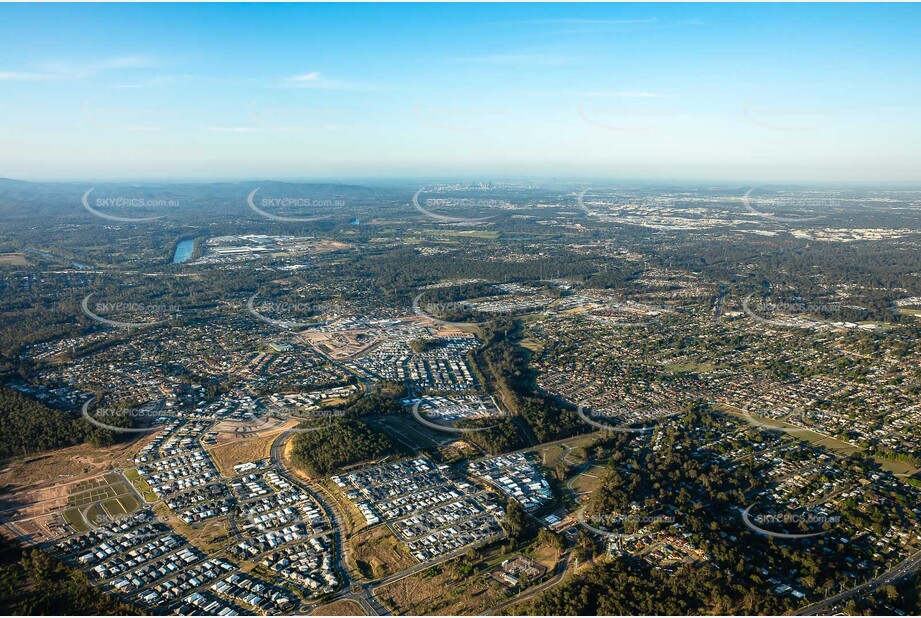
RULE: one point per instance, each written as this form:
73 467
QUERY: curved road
561 566
424 421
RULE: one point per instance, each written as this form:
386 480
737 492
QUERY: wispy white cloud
270 129
22 76
151 82
522 58
235 129
69 70
316 80
622 94
124 62
313 76
572 26
577 21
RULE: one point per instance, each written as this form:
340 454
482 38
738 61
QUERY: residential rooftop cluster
455 408
427 506
600 365
518 476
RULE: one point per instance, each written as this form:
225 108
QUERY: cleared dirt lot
233 431
376 553
39 514
442 590
64 465
237 450
339 608
13 259
36 491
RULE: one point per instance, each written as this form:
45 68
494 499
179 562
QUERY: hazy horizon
771 93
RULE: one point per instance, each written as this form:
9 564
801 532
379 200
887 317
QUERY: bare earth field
13 259
376 553
35 492
73 463
233 431
445 592
339 608
256 446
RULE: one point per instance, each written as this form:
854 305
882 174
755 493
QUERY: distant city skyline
658 91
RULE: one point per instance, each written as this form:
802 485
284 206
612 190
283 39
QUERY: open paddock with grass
13 259
450 588
376 552
244 449
406 431
345 607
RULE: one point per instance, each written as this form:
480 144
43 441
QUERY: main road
363 592
902 569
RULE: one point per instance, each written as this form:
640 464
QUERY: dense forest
495 436
340 442
27 426
506 367
619 588
36 584
384 398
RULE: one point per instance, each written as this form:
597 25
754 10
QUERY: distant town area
466 398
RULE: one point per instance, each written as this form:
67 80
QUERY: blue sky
670 91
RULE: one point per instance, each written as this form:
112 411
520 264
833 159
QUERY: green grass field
129 503
140 485
832 444
73 517
691 367
107 497
96 515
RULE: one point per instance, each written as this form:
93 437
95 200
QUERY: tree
550 539
515 520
